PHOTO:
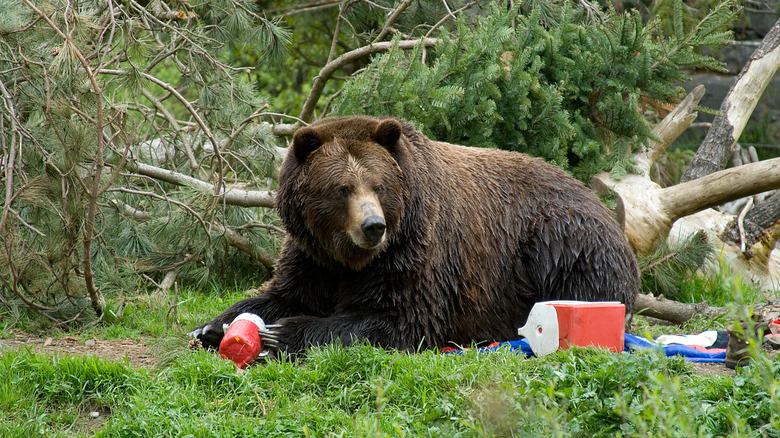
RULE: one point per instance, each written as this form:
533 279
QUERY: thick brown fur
472 238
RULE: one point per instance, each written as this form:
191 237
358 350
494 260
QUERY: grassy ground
364 391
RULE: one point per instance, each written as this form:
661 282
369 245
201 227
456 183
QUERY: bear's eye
379 189
343 192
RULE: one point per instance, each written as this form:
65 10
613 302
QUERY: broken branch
673 311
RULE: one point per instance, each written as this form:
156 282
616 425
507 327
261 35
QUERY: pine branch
232 236
95 296
303 8
195 115
176 127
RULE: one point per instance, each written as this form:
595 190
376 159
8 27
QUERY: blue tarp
632 342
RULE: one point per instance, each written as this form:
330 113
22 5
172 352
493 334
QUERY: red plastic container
586 324
242 342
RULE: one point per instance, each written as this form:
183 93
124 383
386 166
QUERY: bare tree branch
670 128
318 84
9 152
175 124
673 311
719 187
306 7
391 20
230 196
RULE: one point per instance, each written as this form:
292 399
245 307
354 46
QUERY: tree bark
737 107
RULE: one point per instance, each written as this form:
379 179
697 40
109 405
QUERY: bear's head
341 190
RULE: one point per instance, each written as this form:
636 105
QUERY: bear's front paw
289 335
209 334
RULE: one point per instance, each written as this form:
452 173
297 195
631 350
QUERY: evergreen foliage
137 55
665 269
568 92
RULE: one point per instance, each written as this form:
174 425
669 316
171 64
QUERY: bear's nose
373 229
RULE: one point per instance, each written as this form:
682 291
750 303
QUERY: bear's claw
270 336
209 335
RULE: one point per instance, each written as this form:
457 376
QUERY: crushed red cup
242 342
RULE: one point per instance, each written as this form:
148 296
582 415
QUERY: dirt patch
712 369
137 353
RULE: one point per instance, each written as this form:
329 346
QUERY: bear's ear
387 133
305 141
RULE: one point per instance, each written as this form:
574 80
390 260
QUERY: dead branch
302 8
674 124
737 107
9 161
130 211
760 228
391 20
647 211
167 283
673 311
242 243
230 196
722 186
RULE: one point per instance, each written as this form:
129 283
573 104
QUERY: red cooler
587 324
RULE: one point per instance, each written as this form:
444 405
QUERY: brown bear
412 243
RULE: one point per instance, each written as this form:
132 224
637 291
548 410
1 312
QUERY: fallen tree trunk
230 196
648 211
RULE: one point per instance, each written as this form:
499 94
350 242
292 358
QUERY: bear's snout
373 230
367 227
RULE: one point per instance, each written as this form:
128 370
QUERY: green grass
364 391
